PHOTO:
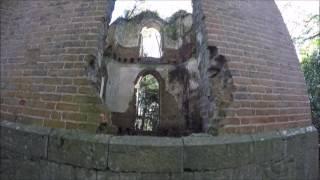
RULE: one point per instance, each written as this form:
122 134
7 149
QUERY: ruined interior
165 50
225 79
147 46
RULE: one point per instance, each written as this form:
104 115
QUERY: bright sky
151 40
165 8
294 12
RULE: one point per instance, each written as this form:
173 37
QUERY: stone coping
144 154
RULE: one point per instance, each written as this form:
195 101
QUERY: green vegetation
138 13
172 31
147 104
310 64
311 68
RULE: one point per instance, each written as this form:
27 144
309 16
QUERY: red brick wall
270 89
43 49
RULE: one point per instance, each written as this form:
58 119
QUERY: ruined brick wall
44 45
270 91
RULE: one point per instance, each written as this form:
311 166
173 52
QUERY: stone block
268 146
130 176
107 175
78 148
145 154
29 141
297 141
211 153
85 174
53 171
155 176
225 174
245 172
20 169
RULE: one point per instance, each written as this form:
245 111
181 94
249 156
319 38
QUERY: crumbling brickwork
44 47
270 91
52 51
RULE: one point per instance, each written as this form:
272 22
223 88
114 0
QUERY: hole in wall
150 43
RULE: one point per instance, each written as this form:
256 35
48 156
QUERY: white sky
294 12
151 40
165 8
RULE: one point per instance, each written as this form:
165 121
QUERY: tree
309 43
147 104
311 31
311 68
128 14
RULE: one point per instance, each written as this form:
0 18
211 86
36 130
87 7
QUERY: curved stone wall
29 152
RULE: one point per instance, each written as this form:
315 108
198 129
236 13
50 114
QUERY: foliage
309 42
128 14
311 68
147 104
172 31
137 12
143 14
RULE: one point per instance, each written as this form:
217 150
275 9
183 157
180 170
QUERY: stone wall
269 88
44 48
30 152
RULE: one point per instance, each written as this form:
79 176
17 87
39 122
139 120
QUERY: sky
294 12
165 8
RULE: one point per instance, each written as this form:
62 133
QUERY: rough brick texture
270 91
43 69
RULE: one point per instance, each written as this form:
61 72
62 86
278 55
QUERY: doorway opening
147 104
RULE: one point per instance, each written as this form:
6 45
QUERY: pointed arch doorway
147 103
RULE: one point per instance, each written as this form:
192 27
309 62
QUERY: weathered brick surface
43 45
270 91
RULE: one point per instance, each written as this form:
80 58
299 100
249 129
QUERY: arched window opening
147 103
150 45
